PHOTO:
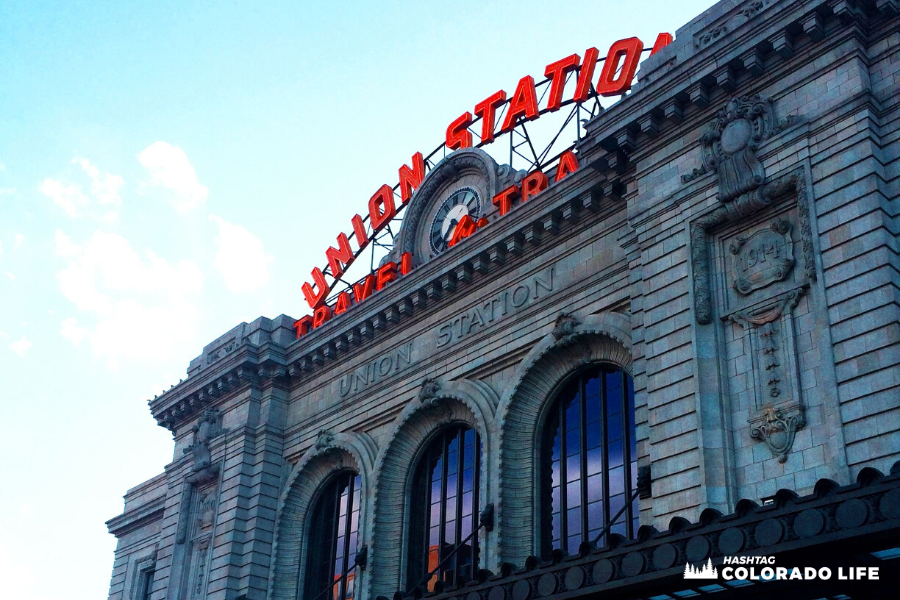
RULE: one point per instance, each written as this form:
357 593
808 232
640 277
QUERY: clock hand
453 223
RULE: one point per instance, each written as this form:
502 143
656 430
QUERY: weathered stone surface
806 142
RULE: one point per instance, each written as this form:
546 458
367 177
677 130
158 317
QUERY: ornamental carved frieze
778 410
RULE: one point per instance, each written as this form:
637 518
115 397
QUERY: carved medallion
778 431
764 258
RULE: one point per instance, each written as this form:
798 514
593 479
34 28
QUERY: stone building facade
729 242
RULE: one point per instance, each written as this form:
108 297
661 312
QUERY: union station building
684 352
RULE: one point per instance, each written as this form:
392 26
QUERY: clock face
460 203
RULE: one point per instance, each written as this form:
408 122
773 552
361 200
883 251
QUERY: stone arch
572 344
331 453
473 403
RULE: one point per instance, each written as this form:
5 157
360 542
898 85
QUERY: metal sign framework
523 155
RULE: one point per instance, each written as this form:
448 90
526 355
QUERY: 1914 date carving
764 258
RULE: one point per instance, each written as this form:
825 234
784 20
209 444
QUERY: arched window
331 554
444 509
589 460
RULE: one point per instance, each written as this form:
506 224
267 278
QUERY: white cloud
170 168
70 198
12 276
21 347
73 332
104 186
142 304
75 202
19 240
240 257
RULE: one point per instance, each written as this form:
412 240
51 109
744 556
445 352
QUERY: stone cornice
249 365
132 519
701 62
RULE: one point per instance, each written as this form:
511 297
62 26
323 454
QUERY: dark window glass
333 539
590 460
444 509
145 584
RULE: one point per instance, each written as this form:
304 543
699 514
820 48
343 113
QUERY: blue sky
170 169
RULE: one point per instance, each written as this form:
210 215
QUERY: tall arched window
444 509
332 544
589 459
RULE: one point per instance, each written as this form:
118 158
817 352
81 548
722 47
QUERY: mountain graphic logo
707 572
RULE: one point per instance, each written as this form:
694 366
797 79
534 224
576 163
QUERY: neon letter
321 314
504 199
379 216
314 299
533 184
363 289
662 40
385 274
568 163
302 325
630 48
411 178
523 104
485 109
405 263
359 231
458 134
587 73
337 256
342 303
557 73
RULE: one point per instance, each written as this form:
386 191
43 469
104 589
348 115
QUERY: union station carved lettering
498 306
372 372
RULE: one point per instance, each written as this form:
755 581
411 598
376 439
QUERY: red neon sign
615 79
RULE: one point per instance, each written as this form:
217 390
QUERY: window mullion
335 520
604 445
563 479
476 499
347 520
461 446
442 517
582 447
626 455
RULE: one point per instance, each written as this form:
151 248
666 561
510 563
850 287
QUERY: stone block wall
749 378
